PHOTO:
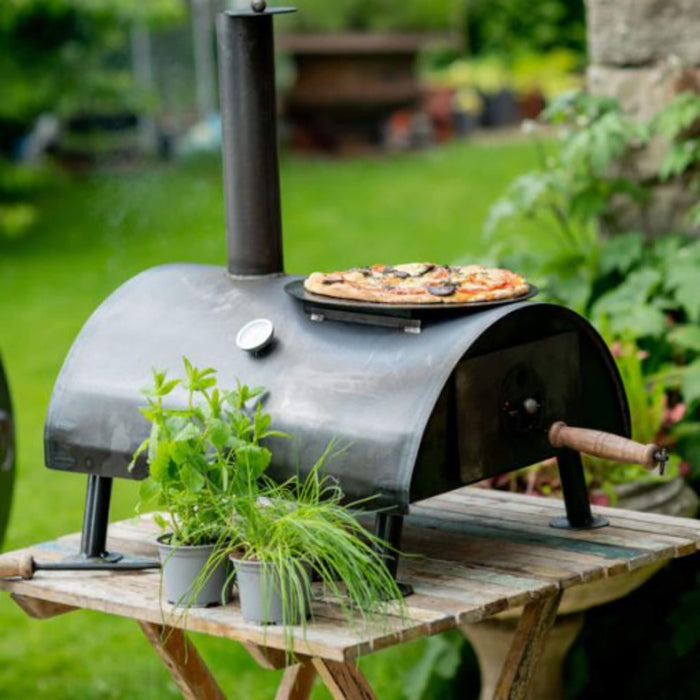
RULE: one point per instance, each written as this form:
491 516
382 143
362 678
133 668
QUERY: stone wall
644 53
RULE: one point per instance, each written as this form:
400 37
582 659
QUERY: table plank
474 553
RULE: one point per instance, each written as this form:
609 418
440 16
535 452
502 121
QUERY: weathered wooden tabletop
475 552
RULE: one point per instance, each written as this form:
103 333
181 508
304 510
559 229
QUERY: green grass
98 231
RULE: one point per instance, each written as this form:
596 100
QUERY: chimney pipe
249 134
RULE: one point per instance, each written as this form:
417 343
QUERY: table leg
296 682
528 643
40 609
343 680
184 663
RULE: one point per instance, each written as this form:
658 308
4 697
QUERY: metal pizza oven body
413 415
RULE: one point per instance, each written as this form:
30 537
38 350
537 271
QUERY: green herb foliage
302 526
200 452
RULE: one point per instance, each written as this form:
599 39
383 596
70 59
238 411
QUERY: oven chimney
249 139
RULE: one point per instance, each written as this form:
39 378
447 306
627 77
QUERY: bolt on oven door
7 452
507 399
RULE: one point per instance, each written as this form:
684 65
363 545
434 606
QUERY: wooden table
479 552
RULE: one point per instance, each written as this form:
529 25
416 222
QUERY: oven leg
93 541
388 528
573 483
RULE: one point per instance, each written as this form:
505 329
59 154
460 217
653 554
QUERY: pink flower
675 415
616 349
684 469
599 499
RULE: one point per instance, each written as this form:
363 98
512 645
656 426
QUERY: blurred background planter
491 638
500 109
348 84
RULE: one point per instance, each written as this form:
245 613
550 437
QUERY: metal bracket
320 314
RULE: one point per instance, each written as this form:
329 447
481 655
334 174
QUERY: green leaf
677 160
192 479
665 247
175 423
627 309
160 521
692 216
621 252
188 432
149 491
679 114
235 443
588 202
690 383
688 337
440 660
683 279
254 459
219 432
158 466
182 452
153 439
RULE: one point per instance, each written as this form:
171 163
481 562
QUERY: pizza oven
421 401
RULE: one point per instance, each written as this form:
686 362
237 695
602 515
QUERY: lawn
98 231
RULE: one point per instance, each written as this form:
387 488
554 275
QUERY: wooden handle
600 444
14 566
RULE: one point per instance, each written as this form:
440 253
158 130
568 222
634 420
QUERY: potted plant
283 536
195 451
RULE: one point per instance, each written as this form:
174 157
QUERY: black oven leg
573 483
388 528
93 541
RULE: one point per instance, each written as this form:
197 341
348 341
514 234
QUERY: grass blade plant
303 526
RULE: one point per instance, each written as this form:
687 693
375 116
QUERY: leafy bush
507 26
52 52
378 15
55 55
526 72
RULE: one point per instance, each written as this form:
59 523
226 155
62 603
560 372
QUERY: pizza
418 283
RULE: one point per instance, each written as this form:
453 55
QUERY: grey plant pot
259 592
182 569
